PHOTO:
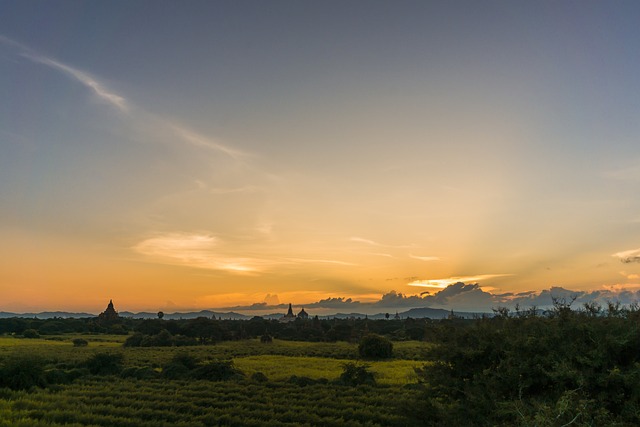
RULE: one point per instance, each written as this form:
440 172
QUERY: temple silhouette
290 316
109 314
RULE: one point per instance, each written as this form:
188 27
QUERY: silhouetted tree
374 346
30 333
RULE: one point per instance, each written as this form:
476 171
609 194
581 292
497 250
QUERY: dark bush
105 363
374 346
57 376
182 341
180 366
72 374
149 327
354 374
134 340
301 381
175 371
185 359
217 371
30 333
266 339
259 377
117 330
23 372
80 342
161 339
568 368
140 373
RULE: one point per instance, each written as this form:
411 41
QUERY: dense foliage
578 368
373 346
202 330
22 372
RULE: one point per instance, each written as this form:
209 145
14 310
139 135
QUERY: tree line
203 330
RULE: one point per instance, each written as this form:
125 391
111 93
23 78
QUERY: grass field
117 401
280 368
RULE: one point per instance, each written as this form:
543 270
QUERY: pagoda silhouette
110 314
290 317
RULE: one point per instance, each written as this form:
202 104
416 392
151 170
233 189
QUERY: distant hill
141 315
437 313
415 313
187 315
46 315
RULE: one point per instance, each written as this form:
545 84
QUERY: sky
181 155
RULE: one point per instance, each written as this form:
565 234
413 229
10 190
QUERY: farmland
562 367
279 383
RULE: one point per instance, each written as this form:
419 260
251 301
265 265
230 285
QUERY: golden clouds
199 251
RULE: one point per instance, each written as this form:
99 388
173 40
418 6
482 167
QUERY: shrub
57 376
175 371
374 346
180 366
72 374
266 339
301 381
259 377
105 363
80 342
217 371
355 374
140 373
182 341
30 333
134 340
23 372
185 359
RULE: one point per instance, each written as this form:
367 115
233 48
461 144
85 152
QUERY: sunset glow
221 154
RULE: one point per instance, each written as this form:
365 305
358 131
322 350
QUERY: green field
301 388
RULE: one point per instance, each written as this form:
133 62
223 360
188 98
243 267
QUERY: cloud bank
460 297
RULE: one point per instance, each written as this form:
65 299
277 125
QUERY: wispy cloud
367 241
443 283
627 257
243 189
198 251
198 140
424 258
382 254
203 250
374 243
319 261
99 89
139 116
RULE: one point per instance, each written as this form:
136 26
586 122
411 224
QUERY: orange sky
314 152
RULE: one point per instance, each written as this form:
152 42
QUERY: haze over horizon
215 154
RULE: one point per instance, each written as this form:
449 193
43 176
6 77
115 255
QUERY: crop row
115 401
